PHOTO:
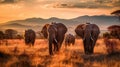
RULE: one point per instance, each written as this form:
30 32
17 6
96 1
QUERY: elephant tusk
91 38
55 40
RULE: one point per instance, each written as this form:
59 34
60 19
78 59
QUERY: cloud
93 4
116 3
103 1
8 1
81 5
105 4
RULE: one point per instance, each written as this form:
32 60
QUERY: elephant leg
32 43
68 43
73 42
91 47
87 46
85 49
55 45
60 42
93 44
50 49
50 46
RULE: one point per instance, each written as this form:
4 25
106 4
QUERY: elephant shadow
99 58
93 58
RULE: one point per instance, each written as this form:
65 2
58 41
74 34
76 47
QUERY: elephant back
29 32
61 27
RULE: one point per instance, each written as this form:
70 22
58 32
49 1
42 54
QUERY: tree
114 31
106 35
10 33
116 13
1 35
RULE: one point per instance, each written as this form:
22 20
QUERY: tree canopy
10 33
116 13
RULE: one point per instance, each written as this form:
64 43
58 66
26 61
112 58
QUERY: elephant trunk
92 44
52 40
50 45
88 44
55 40
91 38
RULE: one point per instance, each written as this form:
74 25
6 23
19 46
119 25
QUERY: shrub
106 35
114 31
111 45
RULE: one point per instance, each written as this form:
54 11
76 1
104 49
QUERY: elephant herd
56 33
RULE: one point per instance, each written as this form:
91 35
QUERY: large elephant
55 33
89 33
70 39
30 37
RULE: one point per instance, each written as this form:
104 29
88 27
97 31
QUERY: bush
114 31
111 45
4 55
106 35
23 61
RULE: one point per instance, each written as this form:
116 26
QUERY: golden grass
20 55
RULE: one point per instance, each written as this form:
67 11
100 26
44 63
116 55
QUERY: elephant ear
80 30
95 31
44 30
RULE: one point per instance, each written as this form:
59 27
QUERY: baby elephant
30 37
70 39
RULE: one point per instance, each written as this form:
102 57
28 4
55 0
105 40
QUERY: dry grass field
17 54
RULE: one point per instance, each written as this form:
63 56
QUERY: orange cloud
45 9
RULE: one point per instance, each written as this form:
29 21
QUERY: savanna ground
17 54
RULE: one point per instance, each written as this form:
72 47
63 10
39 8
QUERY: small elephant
89 33
30 37
55 33
70 39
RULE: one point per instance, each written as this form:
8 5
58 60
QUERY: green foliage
115 34
114 31
106 35
1 35
116 13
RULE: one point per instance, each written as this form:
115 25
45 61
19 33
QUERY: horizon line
56 17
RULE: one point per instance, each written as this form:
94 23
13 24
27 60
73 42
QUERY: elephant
89 33
30 37
55 33
70 39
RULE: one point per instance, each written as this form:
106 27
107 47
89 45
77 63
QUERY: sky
66 9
